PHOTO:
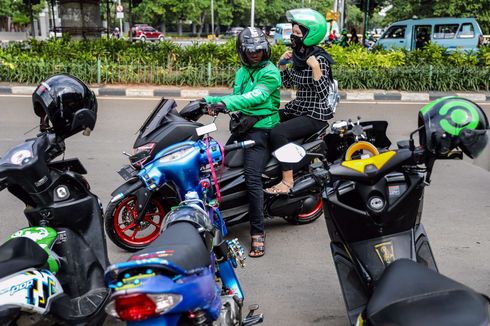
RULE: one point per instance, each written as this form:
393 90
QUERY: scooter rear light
141 306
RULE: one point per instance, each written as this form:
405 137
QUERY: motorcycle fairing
410 294
32 290
370 169
358 266
155 275
376 254
21 253
45 237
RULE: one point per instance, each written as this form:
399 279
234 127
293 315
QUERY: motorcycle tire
120 226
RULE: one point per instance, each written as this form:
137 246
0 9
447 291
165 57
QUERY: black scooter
384 261
53 270
134 222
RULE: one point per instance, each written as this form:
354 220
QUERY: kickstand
252 319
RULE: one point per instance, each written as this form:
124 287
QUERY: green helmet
451 122
313 21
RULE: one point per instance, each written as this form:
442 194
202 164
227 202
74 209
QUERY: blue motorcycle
186 276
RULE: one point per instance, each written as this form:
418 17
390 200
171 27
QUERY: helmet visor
43 91
474 143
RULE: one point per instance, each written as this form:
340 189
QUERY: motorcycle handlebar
138 184
242 144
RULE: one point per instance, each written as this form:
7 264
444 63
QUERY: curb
355 95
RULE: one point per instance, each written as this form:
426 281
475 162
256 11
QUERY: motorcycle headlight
21 157
176 155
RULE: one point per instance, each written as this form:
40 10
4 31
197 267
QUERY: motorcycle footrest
253 320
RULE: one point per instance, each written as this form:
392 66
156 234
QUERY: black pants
293 127
256 159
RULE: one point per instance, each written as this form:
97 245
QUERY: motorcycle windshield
156 117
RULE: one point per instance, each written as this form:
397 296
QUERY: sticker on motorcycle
386 252
31 290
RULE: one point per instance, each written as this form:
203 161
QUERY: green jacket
256 92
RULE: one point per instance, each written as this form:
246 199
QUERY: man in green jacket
256 93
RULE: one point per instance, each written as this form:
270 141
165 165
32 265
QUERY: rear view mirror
289 153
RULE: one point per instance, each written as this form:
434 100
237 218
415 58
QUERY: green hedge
209 64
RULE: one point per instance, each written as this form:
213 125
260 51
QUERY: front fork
230 254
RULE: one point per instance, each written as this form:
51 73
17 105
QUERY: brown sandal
274 190
257 247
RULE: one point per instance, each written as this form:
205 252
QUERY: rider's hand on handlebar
215 108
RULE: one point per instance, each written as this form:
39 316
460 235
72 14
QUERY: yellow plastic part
359 146
378 161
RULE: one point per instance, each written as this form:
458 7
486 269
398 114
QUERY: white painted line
156 98
360 96
139 92
194 93
475 97
23 90
417 97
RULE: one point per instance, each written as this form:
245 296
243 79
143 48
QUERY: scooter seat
410 294
180 244
21 253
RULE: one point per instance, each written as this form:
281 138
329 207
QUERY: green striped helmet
313 21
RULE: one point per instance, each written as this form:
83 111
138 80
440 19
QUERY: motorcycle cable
213 171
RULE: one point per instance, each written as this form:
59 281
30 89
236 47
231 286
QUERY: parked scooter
135 221
186 276
52 271
373 207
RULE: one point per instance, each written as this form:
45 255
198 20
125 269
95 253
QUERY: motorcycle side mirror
289 153
192 111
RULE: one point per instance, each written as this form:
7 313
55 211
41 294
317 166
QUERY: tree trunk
202 17
179 27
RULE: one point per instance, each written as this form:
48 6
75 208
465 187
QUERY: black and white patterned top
312 97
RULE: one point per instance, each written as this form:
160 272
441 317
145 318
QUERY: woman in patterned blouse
311 75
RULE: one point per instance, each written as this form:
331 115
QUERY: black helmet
194 214
252 40
451 122
65 102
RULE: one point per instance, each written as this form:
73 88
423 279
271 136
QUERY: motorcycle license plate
127 172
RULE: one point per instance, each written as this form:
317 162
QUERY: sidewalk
191 92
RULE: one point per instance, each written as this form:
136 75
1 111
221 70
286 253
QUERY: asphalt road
295 283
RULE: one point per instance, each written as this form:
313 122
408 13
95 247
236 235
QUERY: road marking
156 98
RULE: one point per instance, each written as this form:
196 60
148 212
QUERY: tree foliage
404 9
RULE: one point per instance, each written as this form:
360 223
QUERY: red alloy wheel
128 231
315 210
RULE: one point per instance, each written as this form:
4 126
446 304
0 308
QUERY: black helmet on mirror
252 40
65 104
451 122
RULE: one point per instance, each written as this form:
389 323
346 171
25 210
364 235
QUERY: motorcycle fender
31 290
124 186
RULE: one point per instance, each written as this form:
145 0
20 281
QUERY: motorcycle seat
409 293
236 158
21 253
181 244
